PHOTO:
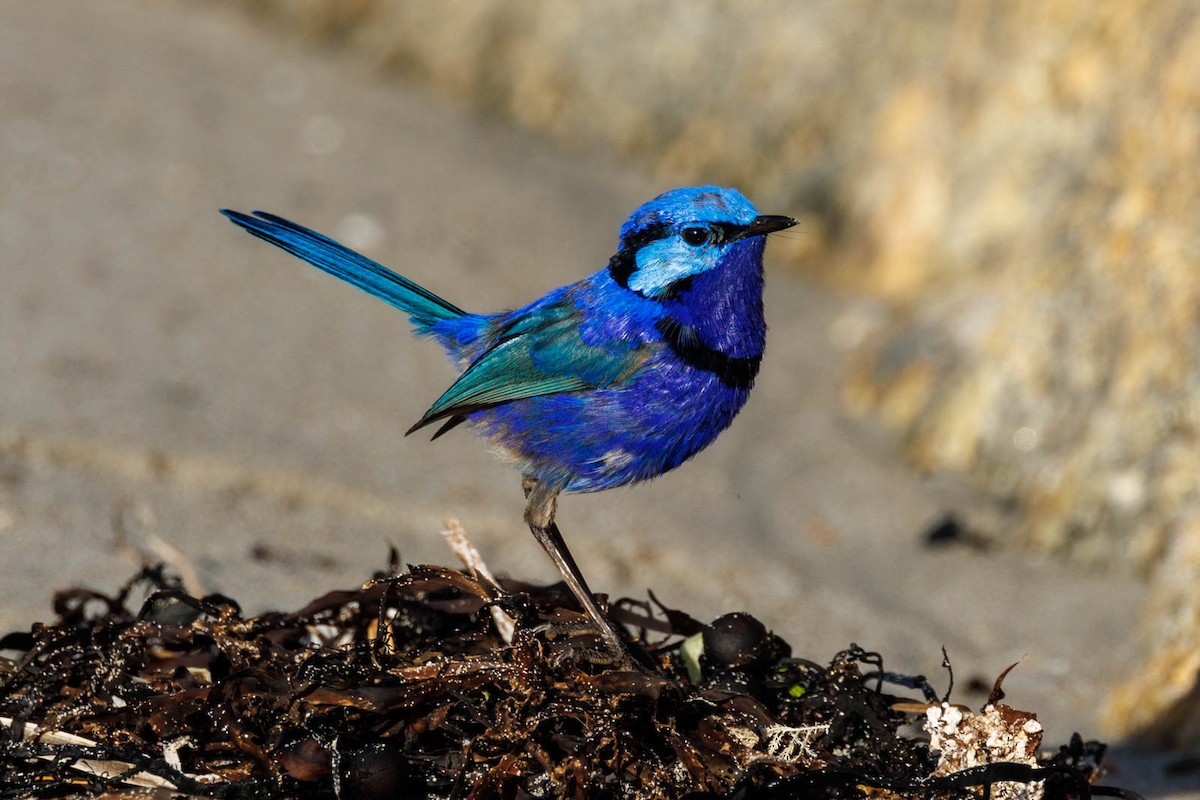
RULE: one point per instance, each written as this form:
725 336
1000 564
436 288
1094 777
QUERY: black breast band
733 371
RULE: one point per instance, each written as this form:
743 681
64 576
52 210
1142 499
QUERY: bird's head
686 232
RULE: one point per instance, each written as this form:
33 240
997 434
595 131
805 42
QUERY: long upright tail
423 306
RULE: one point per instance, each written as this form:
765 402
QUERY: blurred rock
1160 706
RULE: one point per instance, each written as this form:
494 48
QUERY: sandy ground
166 376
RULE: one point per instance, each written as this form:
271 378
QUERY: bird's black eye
697 236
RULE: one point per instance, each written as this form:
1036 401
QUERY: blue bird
611 380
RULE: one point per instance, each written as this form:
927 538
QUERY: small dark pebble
378 771
950 532
735 641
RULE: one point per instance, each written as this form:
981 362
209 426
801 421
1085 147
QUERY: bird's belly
600 439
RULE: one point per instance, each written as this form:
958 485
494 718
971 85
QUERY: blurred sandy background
997 318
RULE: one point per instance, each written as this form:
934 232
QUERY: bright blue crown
690 204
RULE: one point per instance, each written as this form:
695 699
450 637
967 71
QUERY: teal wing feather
532 359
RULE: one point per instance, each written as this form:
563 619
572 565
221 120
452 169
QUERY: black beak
766 223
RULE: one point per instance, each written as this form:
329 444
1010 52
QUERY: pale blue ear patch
664 262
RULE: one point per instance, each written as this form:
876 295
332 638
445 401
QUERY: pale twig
174 557
152 546
456 537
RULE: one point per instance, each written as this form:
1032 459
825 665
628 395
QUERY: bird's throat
724 306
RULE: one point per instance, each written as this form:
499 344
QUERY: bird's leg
541 505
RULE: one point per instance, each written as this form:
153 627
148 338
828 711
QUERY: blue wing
536 352
424 308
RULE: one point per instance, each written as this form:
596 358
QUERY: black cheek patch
624 263
622 266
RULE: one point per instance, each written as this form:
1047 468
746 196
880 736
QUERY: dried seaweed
402 688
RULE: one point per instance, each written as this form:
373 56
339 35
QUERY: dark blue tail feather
424 308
